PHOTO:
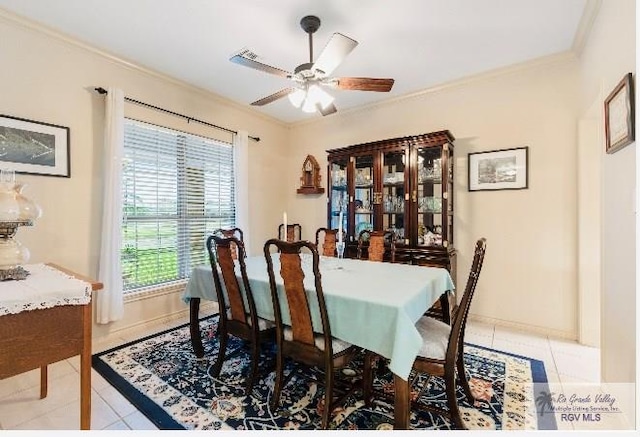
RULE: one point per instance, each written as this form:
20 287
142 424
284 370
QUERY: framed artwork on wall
619 115
33 147
505 169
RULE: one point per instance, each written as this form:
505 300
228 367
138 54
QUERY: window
177 188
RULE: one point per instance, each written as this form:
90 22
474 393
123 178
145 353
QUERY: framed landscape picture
505 169
619 115
32 147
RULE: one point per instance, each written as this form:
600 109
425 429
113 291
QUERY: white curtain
241 160
110 299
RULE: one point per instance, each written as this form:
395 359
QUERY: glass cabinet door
363 183
394 192
429 192
338 195
448 196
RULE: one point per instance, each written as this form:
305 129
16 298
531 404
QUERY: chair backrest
363 239
390 238
460 316
294 232
329 241
297 297
375 242
220 257
233 232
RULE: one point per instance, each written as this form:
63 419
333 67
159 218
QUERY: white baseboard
149 324
551 333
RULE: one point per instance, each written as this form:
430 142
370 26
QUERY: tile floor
20 409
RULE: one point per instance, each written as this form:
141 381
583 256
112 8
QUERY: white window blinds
177 188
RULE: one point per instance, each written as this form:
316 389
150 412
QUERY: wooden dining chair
237 318
444 308
233 232
398 256
294 232
329 241
442 352
295 335
375 243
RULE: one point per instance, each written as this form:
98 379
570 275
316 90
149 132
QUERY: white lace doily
45 287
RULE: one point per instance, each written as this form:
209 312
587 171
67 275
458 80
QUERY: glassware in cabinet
429 192
363 194
338 193
394 191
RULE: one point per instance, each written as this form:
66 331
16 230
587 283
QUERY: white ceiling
419 43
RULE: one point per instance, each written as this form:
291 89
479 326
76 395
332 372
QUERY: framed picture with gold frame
619 115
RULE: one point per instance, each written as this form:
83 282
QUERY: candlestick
340 249
284 220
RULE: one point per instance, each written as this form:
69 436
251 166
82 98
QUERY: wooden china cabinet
404 185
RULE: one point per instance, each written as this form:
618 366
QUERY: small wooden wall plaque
310 179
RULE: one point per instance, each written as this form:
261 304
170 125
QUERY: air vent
246 53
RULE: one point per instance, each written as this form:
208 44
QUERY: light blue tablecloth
373 305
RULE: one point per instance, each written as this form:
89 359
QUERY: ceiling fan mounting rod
310 24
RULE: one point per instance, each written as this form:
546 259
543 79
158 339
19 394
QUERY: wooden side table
34 339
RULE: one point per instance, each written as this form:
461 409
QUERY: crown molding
74 42
589 16
543 61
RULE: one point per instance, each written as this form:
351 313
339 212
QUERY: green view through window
177 188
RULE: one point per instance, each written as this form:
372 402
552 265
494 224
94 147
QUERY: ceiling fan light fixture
308 106
297 97
319 96
312 97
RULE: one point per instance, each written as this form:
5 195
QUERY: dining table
373 305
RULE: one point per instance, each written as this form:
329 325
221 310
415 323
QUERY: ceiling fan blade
248 59
364 84
338 47
330 109
273 97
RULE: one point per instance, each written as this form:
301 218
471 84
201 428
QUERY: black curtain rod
166 111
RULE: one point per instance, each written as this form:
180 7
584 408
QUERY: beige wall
610 53
46 79
529 274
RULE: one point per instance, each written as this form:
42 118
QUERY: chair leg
452 402
221 353
255 356
367 378
445 308
463 377
194 327
328 396
275 401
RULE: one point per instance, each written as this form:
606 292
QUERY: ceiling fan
309 78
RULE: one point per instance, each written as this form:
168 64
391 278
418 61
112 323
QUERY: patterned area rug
160 375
